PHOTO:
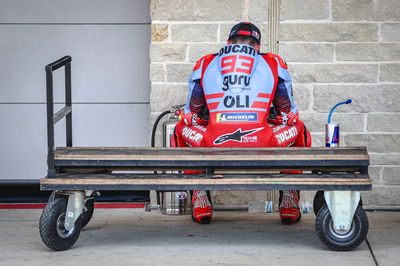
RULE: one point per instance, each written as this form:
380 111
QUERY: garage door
109 44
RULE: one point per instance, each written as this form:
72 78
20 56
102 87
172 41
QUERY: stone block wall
340 49
184 31
335 49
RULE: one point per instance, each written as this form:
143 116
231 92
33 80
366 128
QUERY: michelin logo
237 117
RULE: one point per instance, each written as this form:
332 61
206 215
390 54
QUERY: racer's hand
187 118
192 118
292 118
287 119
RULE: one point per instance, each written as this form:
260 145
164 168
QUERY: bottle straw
334 107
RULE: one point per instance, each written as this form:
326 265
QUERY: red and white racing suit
235 89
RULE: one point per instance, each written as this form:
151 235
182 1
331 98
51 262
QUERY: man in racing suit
230 95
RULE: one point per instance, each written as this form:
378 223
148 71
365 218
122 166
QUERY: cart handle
66 111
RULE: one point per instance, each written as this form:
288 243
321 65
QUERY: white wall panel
74 11
23 134
115 125
110 62
109 44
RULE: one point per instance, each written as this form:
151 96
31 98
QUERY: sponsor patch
277 128
236 63
240 101
181 195
287 135
255 34
251 139
192 134
200 127
238 136
237 117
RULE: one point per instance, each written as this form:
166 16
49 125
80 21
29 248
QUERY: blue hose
334 107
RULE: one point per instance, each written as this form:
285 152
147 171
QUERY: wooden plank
198 181
219 176
229 187
314 159
217 157
214 164
187 154
229 182
91 170
228 150
224 181
190 179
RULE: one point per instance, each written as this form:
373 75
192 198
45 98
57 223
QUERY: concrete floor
133 237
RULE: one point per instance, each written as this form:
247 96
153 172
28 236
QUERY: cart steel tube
65 112
58 63
50 124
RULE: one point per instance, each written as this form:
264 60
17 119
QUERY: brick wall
336 49
339 49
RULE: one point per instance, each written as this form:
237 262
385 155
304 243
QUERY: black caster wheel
319 201
87 212
341 241
51 226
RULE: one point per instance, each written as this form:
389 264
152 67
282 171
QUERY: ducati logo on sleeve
235 136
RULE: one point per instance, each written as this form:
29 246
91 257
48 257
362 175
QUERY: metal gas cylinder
168 129
173 202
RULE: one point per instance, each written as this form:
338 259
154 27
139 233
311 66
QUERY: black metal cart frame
66 111
76 173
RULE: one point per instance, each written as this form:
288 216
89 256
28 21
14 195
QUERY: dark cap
245 29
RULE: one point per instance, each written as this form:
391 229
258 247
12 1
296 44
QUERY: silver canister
332 135
173 202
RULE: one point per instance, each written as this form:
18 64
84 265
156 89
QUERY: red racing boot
202 208
289 206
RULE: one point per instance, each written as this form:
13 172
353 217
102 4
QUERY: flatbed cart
76 174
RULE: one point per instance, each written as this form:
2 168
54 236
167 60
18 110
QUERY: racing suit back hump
239 85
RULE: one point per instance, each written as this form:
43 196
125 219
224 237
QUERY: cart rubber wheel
319 201
337 240
51 226
87 215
